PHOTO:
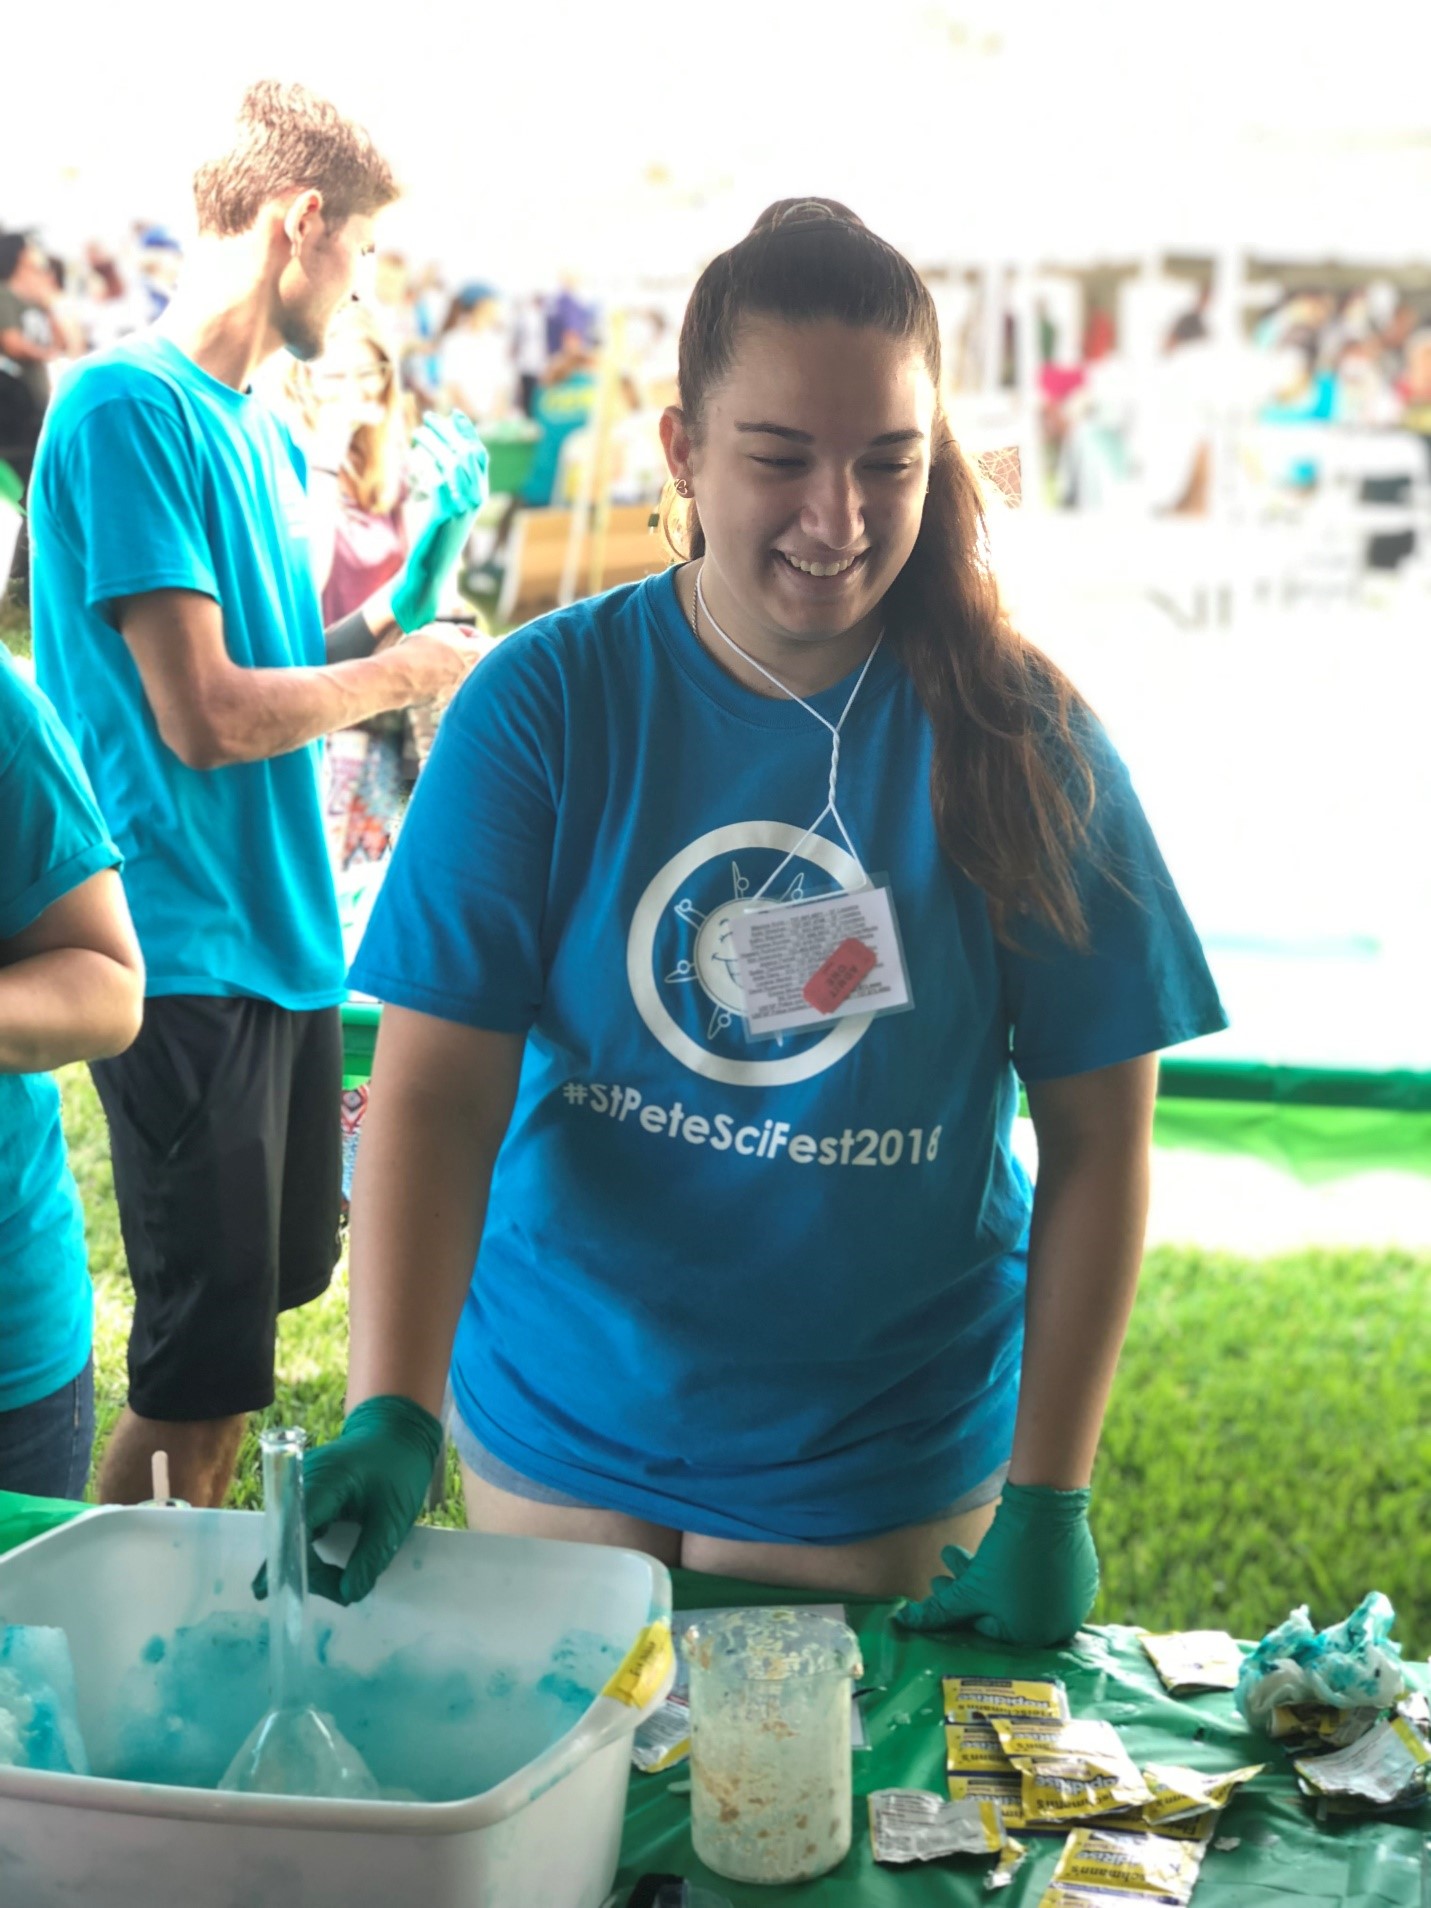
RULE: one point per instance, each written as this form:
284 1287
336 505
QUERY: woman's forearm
439 1104
419 1200
1085 1251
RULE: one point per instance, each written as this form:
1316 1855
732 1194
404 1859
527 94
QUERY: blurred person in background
36 331
529 350
1361 395
564 402
71 988
349 410
159 263
1414 386
178 631
474 355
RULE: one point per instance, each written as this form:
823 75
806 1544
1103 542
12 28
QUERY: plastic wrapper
1386 1769
1007 1790
1180 1793
1356 1664
1190 1660
1070 1771
968 1697
1098 1864
910 1825
39 1710
973 1748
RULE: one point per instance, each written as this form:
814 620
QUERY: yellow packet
1097 1744
1179 1792
973 1748
1011 1857
1184 1828
1320 1724
966 1697
1054 1792
1150 1866
1005 1790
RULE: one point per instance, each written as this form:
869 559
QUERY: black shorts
223 1129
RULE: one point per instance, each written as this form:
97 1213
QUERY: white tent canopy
628 142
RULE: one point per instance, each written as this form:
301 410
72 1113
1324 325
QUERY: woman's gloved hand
450 462
1032 1580
374 1474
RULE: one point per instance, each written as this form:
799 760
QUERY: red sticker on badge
837 977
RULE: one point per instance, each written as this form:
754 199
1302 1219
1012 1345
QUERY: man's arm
72 983
212 712
1090 1211
14 344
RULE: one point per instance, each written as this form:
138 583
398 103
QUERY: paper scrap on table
1191 1660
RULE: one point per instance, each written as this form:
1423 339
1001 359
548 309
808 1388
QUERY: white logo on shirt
699 896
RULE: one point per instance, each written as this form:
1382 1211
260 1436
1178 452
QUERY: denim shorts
45 1446
483 1464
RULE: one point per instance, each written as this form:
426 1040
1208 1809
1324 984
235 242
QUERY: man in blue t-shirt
71 988
178 631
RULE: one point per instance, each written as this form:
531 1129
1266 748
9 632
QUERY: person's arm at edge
441 1100
14 344
1090 1212
72 982
213 713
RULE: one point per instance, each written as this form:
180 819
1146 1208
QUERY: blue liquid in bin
429 1731
39 1714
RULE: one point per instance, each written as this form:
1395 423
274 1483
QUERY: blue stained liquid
437 1731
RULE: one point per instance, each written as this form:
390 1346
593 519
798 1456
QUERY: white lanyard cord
834 728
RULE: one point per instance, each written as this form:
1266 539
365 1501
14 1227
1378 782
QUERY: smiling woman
823 486
752 1283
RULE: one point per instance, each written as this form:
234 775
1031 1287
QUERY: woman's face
352 374
809 476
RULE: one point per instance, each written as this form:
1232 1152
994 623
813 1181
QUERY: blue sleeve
132 495
457 928
54 836
1142 984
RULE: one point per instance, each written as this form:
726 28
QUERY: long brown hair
372 471
1012 788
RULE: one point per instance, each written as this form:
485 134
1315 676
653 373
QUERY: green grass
14 625
1268 1442
312 1342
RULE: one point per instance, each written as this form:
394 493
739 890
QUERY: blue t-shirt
152 475
54 840
761 1291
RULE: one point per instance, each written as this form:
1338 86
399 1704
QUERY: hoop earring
683 489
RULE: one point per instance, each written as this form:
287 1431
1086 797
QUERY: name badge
805 963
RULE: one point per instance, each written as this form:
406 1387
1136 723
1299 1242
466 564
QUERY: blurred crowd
1117 427
1352 361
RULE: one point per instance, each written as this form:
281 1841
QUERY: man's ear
302 218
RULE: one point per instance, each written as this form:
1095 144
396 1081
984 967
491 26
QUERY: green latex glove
450 468
375 1474
1032 1580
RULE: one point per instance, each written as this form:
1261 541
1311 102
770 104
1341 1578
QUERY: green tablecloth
1282 1855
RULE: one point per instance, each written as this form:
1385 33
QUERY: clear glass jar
770 1742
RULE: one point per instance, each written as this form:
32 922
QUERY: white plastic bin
467 1674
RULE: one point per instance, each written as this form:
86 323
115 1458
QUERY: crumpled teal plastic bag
1356 1664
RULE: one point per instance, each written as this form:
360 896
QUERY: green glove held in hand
451 469
374 1474
1032 1580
